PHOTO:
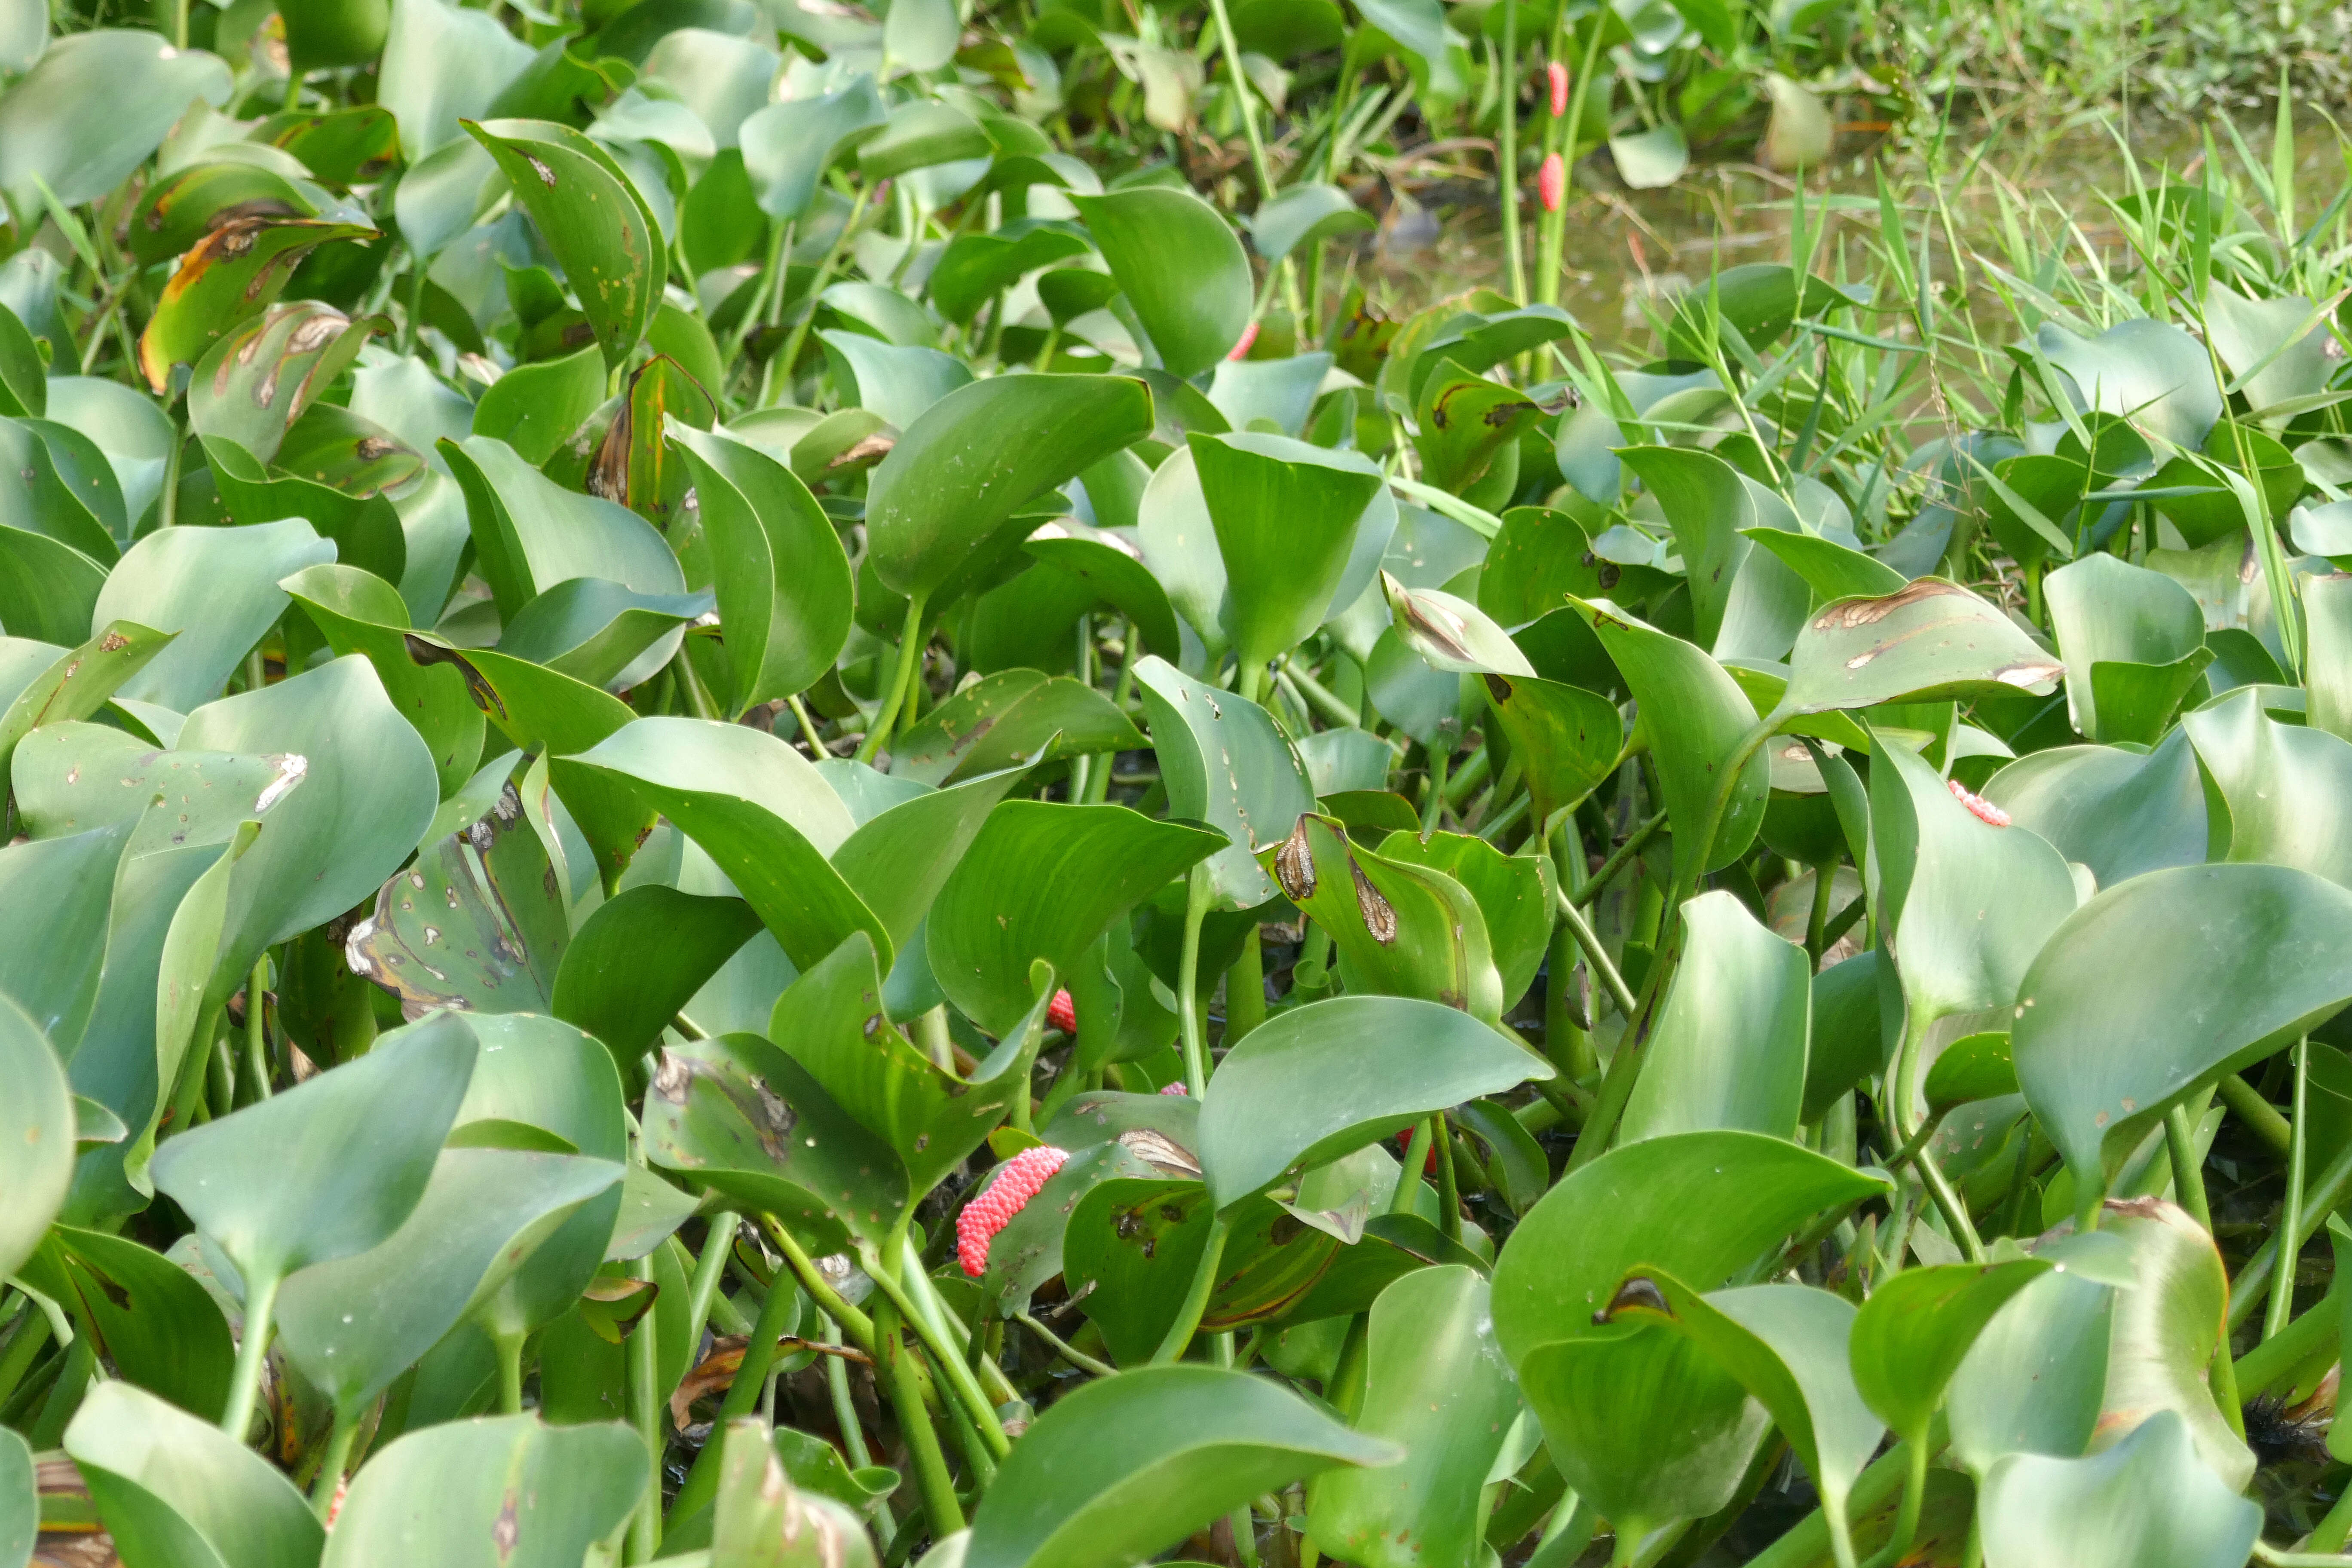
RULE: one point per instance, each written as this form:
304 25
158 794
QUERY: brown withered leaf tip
1294 864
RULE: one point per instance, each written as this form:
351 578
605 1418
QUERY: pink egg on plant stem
1552 182
1556 76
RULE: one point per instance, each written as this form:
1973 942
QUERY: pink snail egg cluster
1985 810
1015 1183
1062 1014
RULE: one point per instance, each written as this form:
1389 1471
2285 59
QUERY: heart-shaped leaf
508 1491
1729 1048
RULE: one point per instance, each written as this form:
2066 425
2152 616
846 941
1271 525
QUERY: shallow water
1627 249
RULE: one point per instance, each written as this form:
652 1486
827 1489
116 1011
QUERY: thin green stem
1449 1180
1506 156
509 1347
709 1271
855 1323
1592 887
2260 1116
933 1333
1906 1513
257 1028
1245 990
922 1439
1196 1297
1433 811
338 1455
742 1394
648 1411
1597 956
1416 1157
902 679
1188 986
2188 1189
2332 1528
1063 1348
845 1407
782 365
1915 1136
252 1350
2282 1305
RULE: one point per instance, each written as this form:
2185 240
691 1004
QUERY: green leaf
20 1500
600 633
1729 1048
2273 791
2120 813
941 503
1968 904
742 1117
1303 212
477 921
2034 1381
2150 371
78 683
1650 160
218 589
1700 1205
1467 424
530 533
92 109
1642 1423
1181 268
640 958
357 611
2145 1503
1918 1326
1225 764
1567 738
759 809
603 236
787 147
1830 569
2159 985
37 1142
1123 1468
1693 715
929 1117
259 379
174 1488
1437 1388
1401 929
1286 514
976 267
1787 1345
1514 895
783 581
507 1491
1930 641
1014 717
1451 634
231 274
358 1143
2108 610
157 1325
365 796
353 1325
535 409
1045 880
1315 1082
921 133
759 1520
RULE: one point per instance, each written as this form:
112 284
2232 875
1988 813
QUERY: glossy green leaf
92 109
259 379
744 1118
357 611
1302 212
217 588
592 218
354 1324
1567 738
1045 881
1315 1082
531 535
36 1134
2146 1502
787 147
507 1491
78 684
1692 715
783 581
1787 1346
940 504
1285 516
158 1326
1968 904
759 1520
1514 895
1227 764
2271 790
1016 717
640 958
2120 813
1930 641
1180 267
1729 1048
762 811
2158 985
2107 610
1658 1202
535 409
1917 1326
1126 1466
365 1136
1400 929
172 1489
1438 1387
230 275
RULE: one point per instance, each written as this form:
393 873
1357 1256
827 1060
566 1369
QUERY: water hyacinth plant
778 790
